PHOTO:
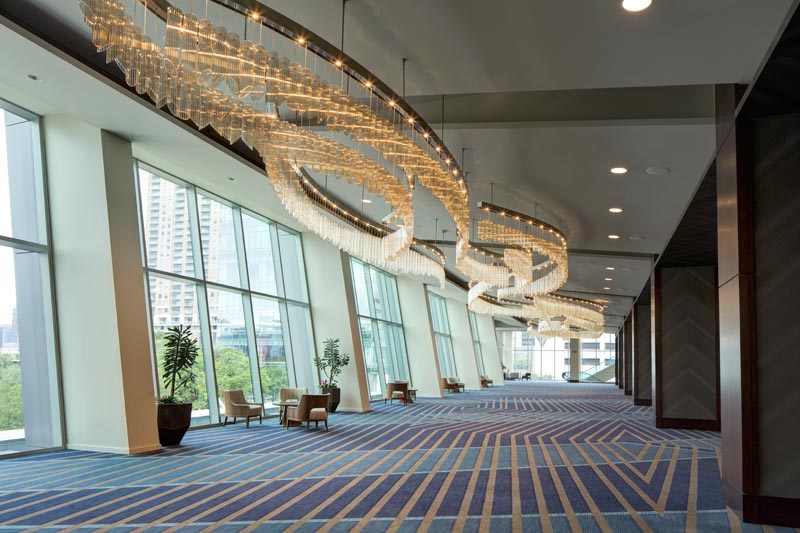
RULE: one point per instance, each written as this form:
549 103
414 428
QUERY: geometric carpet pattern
529 456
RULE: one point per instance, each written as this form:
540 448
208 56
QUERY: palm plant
331 362
180 353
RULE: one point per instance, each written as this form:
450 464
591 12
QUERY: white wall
109 403
418 331
463 346
333 314
491 351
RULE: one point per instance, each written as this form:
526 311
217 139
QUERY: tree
10 393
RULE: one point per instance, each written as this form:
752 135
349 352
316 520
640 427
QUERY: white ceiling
466 46
475 46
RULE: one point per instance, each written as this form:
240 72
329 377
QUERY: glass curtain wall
381 325
441 331
238 280
30 406
476 340
550 359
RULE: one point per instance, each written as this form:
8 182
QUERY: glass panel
303 352
29 408
378 294
271 348
294 277
218 237
260 255
229 340
21 195
360 287
368 340
167 223
174 303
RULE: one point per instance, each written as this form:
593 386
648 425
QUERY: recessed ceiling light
619 170
636 5
610 268
607 288
621 290
615 210
366 201
608 279
658 171
613 236
637 237
34 77
231 179
626 269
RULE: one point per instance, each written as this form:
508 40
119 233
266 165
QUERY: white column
491 352
574 360
107 376
463 346
420 343
333 314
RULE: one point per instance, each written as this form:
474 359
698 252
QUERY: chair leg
225 421
326 425
308 425
247 422
234 420
316 423
259 419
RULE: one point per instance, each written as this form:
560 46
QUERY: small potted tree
331 364
174 412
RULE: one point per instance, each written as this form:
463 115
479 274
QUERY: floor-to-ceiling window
543 358
441 331
476 340
238 279
30 408
599 353
381 325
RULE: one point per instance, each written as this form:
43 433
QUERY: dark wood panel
690 423
628 356
655 343
772 510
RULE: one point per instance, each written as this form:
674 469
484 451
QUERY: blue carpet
522 457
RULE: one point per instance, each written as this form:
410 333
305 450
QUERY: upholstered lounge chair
457 382
396 391
237 407
289 393
486 382
312 408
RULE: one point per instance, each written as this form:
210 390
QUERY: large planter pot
174 420
335 396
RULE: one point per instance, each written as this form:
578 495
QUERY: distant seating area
486 382
452 384
511 376
526 376
236 406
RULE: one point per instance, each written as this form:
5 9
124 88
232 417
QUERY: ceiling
544 96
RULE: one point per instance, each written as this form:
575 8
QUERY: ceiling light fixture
615 210
34 77
658 171
636 5
610 268
607 288
613 236
608 279
366 201
619 170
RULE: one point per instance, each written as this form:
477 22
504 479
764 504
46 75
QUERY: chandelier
215 78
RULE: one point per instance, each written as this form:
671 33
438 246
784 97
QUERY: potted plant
174 413
331 364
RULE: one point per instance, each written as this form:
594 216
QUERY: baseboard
756 509
113 449
643 401
687 423
573 381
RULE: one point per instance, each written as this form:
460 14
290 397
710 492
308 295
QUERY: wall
628 356
109 400
463 346
420 344
491 351
688 343
642 364
333 315
777 257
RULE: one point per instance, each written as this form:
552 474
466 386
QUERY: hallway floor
529 456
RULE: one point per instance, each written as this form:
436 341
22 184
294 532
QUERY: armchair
312 407
485 381
396 391
455 381
236 406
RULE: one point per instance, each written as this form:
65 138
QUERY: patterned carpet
524 457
